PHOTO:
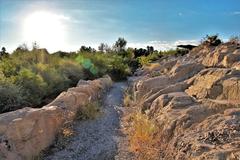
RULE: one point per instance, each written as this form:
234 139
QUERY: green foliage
146 60
169 52
28 77
33 85
120 44
11 97
99 64
211 40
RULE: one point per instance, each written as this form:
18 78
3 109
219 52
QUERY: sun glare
46 28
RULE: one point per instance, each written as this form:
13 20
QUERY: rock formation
24 133
195 101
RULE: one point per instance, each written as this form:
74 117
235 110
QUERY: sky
68 24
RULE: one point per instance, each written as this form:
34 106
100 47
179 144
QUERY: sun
46 28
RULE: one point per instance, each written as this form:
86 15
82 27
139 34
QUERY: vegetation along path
100 138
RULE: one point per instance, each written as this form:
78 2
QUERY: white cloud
163 45
236 13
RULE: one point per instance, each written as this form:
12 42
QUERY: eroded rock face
196 104
216 83
24 133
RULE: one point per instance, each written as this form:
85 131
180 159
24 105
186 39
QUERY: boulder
24 133
29 133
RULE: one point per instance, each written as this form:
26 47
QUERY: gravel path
101 138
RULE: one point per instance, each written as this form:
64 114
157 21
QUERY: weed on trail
90 111
142 137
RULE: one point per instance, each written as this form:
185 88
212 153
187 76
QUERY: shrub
11 97
54 79
146 60
99 64
211 40
72 71
33 85
235 39
143 141
90 111
39 75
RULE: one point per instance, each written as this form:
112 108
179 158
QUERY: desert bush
235 39
33 85
128 98
42 76
99 64
146 60
11 96
142 136
55 80
72 71
38 74
89 111
211 40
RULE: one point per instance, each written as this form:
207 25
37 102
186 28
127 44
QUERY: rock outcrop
24 133
195 101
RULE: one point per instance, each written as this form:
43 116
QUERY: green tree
103 47
120 44
3 52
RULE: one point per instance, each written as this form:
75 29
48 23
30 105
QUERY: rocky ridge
195 101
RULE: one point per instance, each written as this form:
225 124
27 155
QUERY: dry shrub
127 101
142 137
90 111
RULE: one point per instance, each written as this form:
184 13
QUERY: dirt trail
101 138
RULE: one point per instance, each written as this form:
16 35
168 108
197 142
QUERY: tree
211 40
3 52
35 45
22 48
150 49
87 49
103 47
120 44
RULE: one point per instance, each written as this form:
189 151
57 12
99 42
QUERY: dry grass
127 101
90 111
128 98
142 137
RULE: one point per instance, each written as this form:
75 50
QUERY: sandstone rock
202 122
83 82
230 59
161 67
224 55
26 132
30 132
177 87
70 100
174 100
183 71
210 84
147 85
230 89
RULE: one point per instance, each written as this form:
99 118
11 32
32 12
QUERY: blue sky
68 24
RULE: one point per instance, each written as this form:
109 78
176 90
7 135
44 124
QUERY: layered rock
24 133
195 103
